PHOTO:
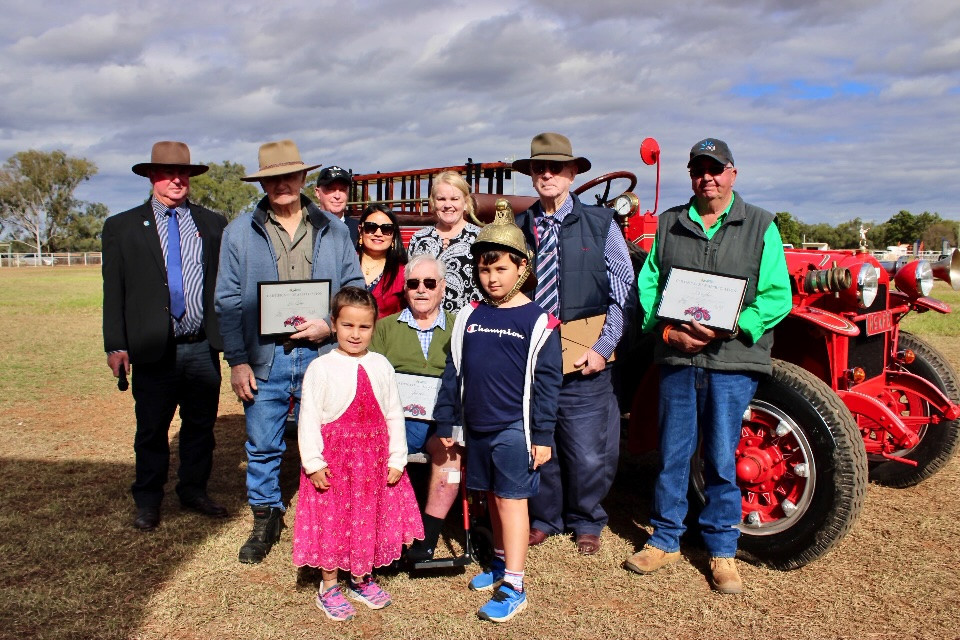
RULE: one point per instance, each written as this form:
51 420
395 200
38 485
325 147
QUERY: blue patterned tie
548 294
178 305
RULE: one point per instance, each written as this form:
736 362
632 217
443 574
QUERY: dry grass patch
72 567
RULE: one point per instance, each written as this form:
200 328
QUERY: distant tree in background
81 229
789 227
36 194
308 190
221 189
934 235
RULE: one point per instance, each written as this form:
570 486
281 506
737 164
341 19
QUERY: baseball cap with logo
712 148
333 173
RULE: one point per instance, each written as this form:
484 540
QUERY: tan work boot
649 559
724 576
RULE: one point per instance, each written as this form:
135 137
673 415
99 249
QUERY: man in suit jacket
159 274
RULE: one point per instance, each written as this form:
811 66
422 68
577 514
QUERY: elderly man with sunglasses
707 377
416 341
583 271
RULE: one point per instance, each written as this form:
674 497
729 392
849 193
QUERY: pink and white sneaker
369 593
332 603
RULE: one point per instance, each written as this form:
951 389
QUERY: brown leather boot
724 576
649 559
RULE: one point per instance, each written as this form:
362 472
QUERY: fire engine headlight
924 277
868 283
915 278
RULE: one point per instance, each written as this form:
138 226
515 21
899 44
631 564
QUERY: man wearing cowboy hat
286 237
159 273
583 271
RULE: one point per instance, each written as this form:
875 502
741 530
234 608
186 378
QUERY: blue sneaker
504 604
491 578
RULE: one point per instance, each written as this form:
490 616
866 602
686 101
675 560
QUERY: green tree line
902 228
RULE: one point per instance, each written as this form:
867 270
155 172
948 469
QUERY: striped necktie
178 305
548 260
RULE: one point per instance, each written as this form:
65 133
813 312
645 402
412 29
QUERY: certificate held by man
284 305
712 299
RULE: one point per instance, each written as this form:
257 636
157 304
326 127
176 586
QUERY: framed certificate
418 395
283 305
712 299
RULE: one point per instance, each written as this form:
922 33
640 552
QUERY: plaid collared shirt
424 335
191 260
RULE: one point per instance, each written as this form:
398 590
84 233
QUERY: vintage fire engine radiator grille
868 351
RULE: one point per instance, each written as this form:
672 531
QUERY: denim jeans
712 403
580 473
266 415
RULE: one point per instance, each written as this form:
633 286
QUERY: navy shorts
498 461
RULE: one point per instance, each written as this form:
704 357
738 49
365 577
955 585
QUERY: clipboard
576 336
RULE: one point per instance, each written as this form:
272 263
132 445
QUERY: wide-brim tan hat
169 153
277 159
551 146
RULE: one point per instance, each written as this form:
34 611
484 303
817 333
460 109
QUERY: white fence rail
50 259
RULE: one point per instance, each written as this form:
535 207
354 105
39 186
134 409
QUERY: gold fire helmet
502 232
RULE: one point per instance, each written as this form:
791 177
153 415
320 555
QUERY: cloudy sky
833 108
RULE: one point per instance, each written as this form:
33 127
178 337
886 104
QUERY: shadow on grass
71 563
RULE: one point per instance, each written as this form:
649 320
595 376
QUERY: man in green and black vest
709 376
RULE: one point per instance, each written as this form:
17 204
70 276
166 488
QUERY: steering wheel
607 179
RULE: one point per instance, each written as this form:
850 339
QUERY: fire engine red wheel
801 468
938 442
607 180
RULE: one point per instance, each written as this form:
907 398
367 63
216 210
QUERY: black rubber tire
481 539
840 465
938 442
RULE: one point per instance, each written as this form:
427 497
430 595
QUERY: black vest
735 249
584 286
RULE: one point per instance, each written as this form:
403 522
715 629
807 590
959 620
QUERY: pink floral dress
359 522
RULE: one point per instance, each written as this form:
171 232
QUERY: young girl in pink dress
356 508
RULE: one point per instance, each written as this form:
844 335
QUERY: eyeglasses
541 166
429 283
371 228
716 169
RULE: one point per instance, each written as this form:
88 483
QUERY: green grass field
937 324
52 323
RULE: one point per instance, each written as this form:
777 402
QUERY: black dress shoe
147 518
206 506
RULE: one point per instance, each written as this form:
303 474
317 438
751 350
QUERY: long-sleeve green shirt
773 300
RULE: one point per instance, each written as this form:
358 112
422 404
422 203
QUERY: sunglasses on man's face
371 228
414 284
714 169
541 166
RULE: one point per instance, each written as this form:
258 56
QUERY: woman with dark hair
382 257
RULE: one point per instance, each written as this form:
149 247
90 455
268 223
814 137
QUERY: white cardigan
329 387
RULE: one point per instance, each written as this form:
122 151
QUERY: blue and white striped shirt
619 275
191 260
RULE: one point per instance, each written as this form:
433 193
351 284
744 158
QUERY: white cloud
833 109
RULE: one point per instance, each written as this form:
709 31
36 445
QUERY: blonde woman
450 239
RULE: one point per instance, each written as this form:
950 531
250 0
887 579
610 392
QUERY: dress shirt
191 259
